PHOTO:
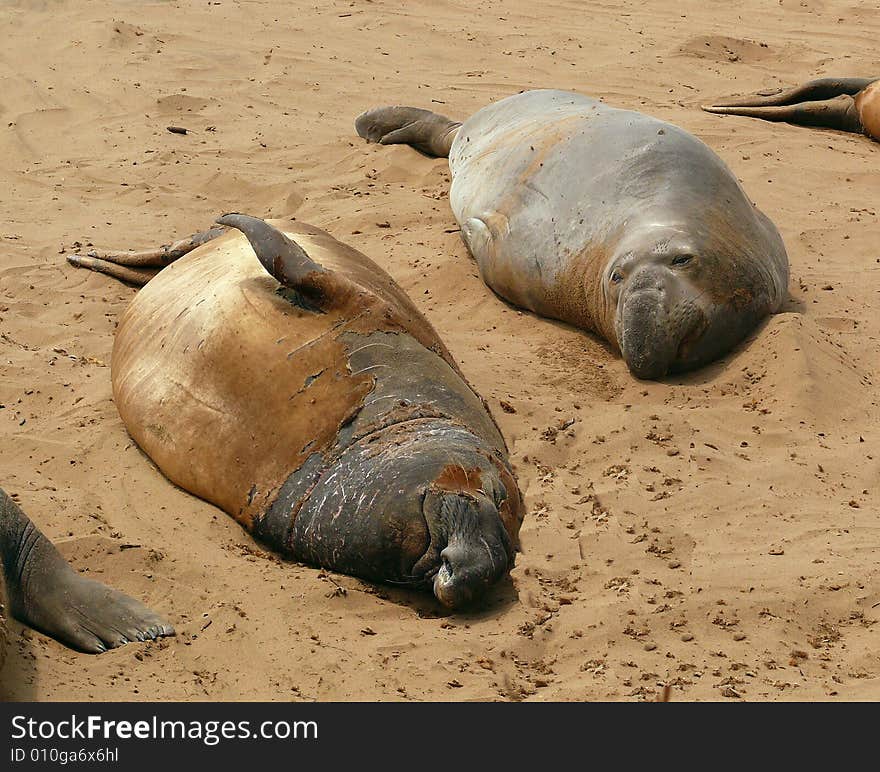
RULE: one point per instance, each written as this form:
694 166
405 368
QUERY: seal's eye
616 277
682 259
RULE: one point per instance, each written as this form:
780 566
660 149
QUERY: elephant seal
44 592
847 104
607 219
305 395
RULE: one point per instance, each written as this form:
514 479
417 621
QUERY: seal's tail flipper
826 102
837 113
139 267
315 287
137 276
430 133
45 593
814 91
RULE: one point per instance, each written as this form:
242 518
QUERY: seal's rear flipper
430 133
837 113
826 102
815 90
139 267
315 287
45 593
136 276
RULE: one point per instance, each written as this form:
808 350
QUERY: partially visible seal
847 104
41 590
608 219
301 391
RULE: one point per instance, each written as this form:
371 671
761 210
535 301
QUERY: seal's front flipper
45 593
314 287
430 133
837 113
477 237
483 234
139 267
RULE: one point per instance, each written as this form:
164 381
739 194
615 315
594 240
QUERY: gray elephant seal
41 590
846 104
286 378
607 219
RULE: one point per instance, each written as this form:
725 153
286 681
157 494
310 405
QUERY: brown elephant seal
305 395
607 219
41 590
847 104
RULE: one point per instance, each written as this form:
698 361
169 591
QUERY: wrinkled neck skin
419 503
674 299
416 490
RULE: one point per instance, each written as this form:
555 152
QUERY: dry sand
717 532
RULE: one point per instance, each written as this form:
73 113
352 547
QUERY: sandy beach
716 532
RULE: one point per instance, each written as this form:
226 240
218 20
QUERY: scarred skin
303 393
847 104
608 219
41 590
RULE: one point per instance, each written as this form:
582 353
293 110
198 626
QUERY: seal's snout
644 334
477 554
455 583
467 571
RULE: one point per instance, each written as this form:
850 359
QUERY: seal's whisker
407 581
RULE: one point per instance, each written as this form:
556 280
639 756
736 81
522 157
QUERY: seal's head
462 509
470 549
676 301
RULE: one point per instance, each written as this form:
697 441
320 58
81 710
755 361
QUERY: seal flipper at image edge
44 592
